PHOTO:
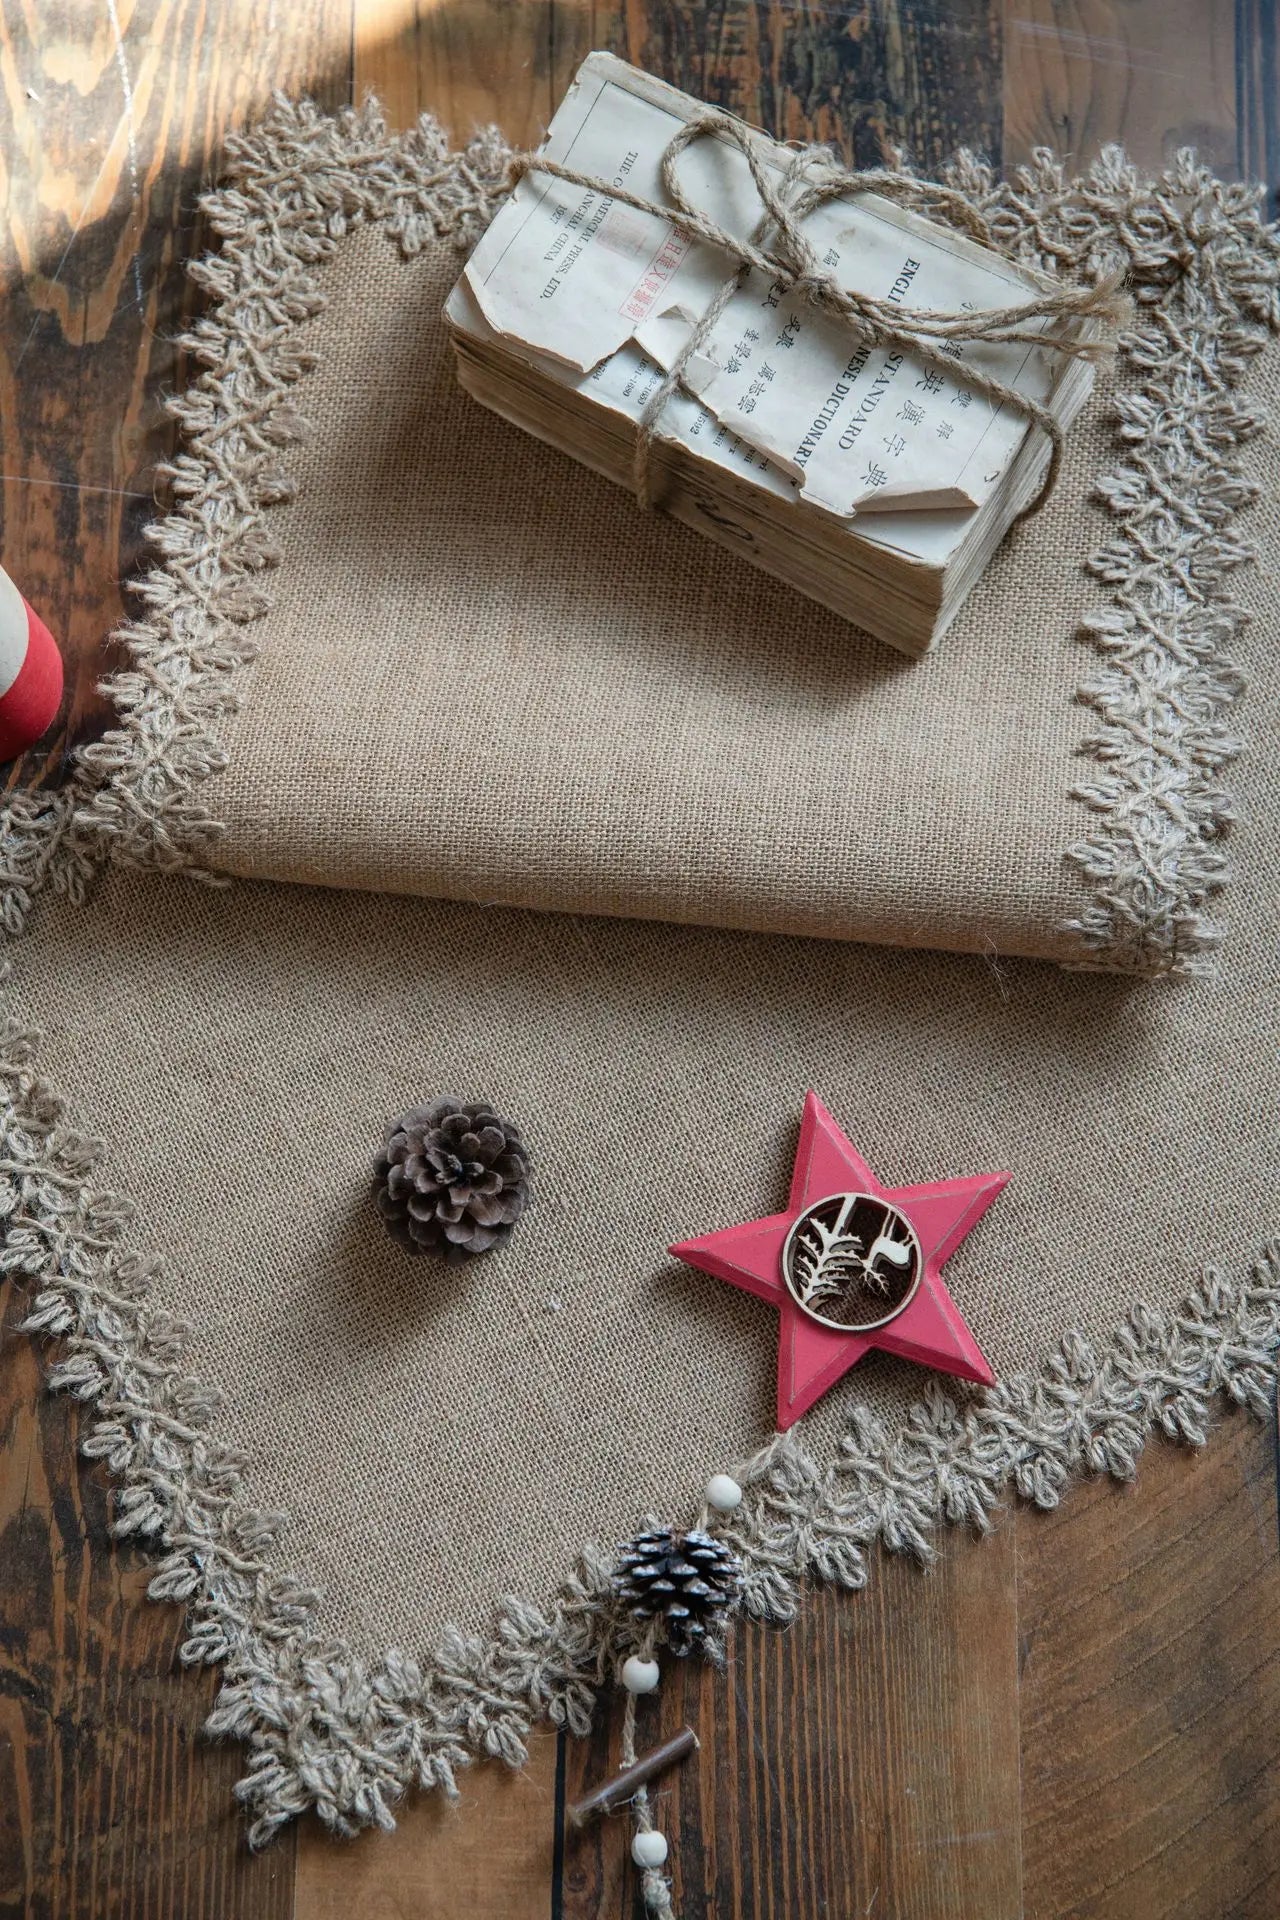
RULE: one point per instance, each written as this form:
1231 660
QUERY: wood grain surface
1074 1717
863 1760
111 1804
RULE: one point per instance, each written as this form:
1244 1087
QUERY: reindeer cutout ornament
851 1265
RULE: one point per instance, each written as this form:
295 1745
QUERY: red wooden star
906 1233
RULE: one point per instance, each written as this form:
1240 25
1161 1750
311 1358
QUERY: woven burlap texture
440 1439
486 674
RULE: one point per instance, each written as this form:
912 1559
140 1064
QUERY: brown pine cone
452 1179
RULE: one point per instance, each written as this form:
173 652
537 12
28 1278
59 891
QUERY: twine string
780 249
655 1888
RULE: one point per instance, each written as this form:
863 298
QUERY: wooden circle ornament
852 1261
852 1264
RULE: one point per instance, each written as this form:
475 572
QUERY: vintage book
876 482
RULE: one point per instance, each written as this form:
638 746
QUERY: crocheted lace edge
1204 269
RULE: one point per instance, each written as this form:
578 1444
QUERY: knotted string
779 249
655 1888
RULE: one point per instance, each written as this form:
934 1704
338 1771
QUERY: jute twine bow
780 249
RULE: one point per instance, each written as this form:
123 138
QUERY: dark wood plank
861 74
112 138
112 1805
489 1857
862 1761
1155 76
472 62
1257 68
1150 1655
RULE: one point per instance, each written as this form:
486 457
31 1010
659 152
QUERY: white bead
649 1848
723 1493
640 1676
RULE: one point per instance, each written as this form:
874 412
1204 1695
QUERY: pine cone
688 1579
452 1179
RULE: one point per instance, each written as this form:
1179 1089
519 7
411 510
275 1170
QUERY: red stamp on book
640 301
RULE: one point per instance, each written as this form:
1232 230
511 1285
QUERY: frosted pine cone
452 1179
688 1580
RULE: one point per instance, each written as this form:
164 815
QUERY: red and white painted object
30 672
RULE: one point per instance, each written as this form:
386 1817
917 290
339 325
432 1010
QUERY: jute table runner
440 1440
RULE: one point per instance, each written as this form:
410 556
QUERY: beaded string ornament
687 1586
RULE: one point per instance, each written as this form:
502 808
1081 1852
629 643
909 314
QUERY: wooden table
1077 1716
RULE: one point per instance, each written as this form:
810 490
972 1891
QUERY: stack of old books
870 478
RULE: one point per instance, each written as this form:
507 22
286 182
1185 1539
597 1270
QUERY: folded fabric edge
1204 267
330 1731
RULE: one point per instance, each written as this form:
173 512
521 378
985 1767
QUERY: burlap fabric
489 675
441 1439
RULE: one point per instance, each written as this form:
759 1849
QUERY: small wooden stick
614 1792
